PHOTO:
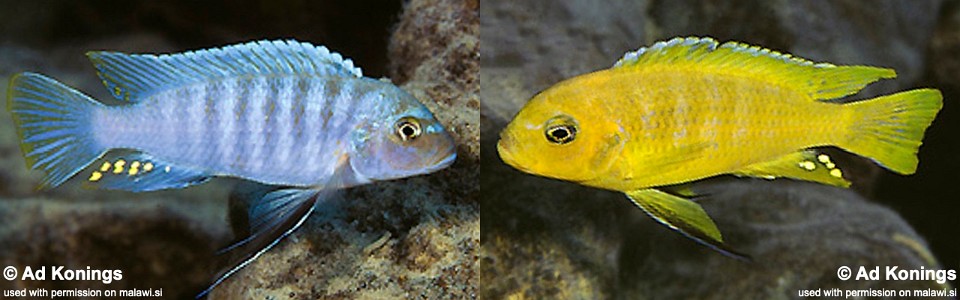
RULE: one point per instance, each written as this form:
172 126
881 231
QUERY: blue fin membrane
53 122
140 172
132 77
274 213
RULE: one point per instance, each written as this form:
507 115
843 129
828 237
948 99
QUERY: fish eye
561 134
408 129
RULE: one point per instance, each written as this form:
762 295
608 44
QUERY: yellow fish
688 109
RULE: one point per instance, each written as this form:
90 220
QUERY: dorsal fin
821 81
132 77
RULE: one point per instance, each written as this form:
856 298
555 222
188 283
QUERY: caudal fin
889 129
53 122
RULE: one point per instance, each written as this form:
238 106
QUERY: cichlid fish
281 113
688 109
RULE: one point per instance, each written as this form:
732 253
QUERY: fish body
287 115
227 126
281 113
688 109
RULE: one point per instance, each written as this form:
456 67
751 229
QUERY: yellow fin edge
821 81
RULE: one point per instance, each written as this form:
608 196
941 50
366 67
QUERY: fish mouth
506 155
445 161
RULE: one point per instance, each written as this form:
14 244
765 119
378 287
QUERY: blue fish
285 114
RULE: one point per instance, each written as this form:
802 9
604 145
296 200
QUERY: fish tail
889 129
53 122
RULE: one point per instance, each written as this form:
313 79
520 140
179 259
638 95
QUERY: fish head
559 135
404 139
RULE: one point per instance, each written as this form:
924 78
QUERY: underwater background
415 237
549 239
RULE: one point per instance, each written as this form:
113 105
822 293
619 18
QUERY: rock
549 239
435 54
155 243
544 239
416 237
798 235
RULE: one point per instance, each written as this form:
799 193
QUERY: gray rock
798 235
416 237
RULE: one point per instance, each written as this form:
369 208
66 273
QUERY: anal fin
803 165
140 172
684 216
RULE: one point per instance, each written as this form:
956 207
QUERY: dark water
929 198
360 28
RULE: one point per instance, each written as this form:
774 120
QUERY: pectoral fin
804 165
683 190
682 215
273 215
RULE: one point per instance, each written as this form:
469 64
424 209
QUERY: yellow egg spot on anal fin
134 168
830 165
823 158
802 165
836 173
118 167
105 167
96 175
167 169
147 167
